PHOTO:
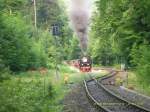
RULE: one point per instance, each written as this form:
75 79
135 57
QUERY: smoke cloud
79 15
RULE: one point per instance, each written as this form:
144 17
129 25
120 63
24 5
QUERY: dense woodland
119 33
24 47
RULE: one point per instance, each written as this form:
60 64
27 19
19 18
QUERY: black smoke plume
79 15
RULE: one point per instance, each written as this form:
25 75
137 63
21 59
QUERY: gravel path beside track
126 94
109 101
130 96
76 101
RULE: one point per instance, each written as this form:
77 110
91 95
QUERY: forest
25 47
121 30
28 46
119 33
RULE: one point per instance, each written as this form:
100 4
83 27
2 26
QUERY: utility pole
35 14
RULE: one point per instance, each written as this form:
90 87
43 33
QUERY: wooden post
35 13
10 11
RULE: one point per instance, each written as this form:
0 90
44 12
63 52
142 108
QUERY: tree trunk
35 14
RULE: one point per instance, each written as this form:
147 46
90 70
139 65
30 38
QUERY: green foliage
21 46
49 12
37 56
4 74
14 42
54 12
120 33
135 81
18 50
141 59
9 5
74 49
66 69
24 94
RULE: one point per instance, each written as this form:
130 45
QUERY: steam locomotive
85 64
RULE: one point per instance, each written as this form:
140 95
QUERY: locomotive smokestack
79 15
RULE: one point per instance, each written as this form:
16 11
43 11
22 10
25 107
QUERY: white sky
67 2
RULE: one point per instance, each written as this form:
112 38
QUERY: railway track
105 100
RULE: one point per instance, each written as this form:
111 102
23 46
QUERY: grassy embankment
135 83
138 85
34 91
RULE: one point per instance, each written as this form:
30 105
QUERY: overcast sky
67 2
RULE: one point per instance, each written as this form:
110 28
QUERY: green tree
121 29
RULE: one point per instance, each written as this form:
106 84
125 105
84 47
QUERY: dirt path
76 101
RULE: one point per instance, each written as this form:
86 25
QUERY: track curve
107 101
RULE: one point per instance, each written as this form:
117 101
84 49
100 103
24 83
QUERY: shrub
18 50
4 74
37 56
25 95
141 59
14 43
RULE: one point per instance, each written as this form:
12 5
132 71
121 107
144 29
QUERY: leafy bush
25 95
18 50
37 56
14 42
141 59
4 74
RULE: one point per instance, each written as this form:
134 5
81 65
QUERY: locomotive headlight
84 59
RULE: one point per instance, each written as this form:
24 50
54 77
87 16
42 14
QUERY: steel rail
95 103
99 105
118 97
